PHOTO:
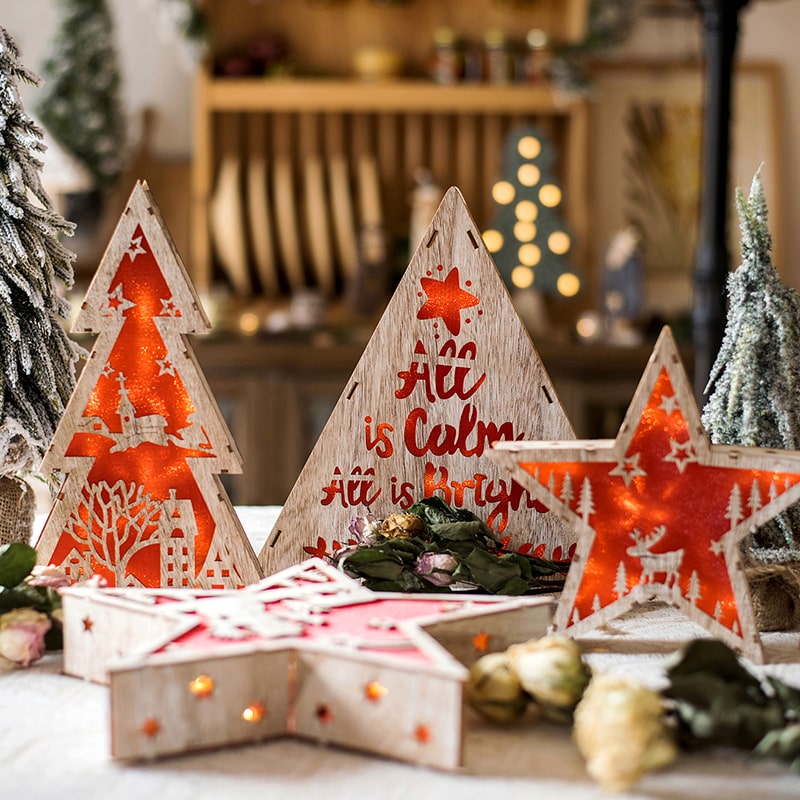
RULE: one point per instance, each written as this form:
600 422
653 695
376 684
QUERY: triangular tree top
142 440
449 369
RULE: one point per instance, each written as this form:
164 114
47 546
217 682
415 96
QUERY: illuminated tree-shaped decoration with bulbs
528 238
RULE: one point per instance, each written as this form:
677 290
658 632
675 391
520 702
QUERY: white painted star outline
681 454
135 247
629 468
165 366
117 303
169 307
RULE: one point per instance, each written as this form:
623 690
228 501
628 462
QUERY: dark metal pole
720 20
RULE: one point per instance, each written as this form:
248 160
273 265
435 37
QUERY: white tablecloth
54 744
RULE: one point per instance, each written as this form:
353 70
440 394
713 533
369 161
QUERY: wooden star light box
307 653
660 512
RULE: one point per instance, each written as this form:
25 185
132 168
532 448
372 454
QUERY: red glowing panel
660 512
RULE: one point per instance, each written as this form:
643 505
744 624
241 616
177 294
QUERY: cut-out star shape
310 645
135 248
660 512
117 303
446 300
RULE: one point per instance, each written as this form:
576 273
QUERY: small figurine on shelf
38 363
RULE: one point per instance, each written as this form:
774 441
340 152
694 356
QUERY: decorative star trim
165 366
649 531
628 468
169 308
446 300
117 304
135 247
681 454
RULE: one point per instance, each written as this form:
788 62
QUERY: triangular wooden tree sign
142 441
449 369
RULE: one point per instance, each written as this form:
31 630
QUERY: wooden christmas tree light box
308 653
660 512
142 442
449 369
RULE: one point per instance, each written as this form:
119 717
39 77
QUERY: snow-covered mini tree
755 400
37 359
80 105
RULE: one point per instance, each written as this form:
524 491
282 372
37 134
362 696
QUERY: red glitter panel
660 516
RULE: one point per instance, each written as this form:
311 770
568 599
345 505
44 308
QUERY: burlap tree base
17 509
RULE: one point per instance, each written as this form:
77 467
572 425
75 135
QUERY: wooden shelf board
259 94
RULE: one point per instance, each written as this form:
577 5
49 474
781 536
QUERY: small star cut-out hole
422 734
254 713
375 691
480 641
324 714
88 623
201 686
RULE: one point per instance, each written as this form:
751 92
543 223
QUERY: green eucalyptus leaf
16 562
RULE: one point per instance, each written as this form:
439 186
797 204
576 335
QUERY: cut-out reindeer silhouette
655 563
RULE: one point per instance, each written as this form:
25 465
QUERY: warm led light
201 686
558 242
254 713
529 255
374 691
529 174
493 240
503 192
249 323
529 147
550 195
568 284
526 211
522 277
524 231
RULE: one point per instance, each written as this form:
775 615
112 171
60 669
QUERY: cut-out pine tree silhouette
142 441
449 369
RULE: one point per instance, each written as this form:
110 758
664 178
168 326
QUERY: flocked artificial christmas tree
80 105
36 356
756 377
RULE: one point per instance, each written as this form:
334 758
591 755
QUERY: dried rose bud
22 633
436 568
621 731
552 671
401 526
48 576
493 689
363 529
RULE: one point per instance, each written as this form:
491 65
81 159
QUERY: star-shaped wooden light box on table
660 512
307 652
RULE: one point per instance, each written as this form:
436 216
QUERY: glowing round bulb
529 147
568 284
529 255
526 211
558 242
201 686
524 231
254 713
522 277
503 192
528 174
249 323
493 240
550 195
